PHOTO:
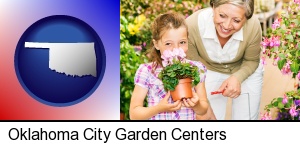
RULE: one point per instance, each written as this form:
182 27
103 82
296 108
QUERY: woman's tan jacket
248 55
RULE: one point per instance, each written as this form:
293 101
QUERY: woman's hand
232 87
164 106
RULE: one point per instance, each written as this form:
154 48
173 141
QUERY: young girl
169 31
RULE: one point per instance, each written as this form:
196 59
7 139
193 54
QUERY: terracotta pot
122 116
182 90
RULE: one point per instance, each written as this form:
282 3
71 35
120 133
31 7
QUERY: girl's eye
168 44
182 42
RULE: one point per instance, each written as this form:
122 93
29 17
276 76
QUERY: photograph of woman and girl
224 41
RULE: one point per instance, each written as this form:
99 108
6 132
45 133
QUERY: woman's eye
237 21
222 16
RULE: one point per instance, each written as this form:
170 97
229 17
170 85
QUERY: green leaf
280 105
298 53
275 103
296 21
290 38
270 106
281 63
295 67
288 105
282 56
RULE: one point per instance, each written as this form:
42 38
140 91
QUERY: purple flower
297 102
279 116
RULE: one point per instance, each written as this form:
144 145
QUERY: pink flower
169 56
276 59
171 5
165 63
285 99
292 25
186 15
266 116
144 44
293 111
137 48
276 23
264 50
298 75
176 52
181 53
274 41
265 42
286 69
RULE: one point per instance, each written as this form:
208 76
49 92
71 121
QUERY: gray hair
248 5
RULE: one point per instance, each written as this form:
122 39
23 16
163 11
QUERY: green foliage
171 74
282 41
292 99
129 62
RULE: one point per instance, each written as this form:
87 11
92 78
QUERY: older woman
226 39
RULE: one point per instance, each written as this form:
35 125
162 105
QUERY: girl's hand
191 102
164 106
232 87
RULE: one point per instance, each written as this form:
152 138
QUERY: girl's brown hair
160 25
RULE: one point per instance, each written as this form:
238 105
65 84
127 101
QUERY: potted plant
178 75
283 45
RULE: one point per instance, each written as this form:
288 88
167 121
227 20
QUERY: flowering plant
288 107
283 46
175 68
283 43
